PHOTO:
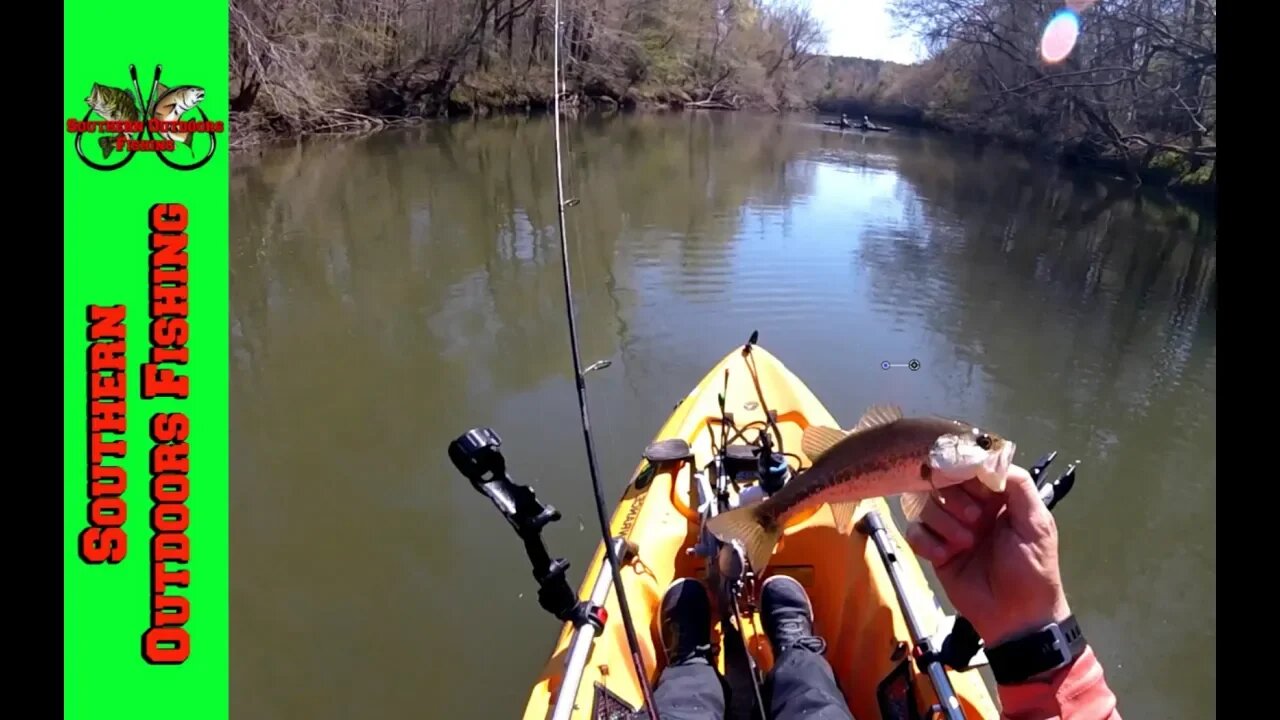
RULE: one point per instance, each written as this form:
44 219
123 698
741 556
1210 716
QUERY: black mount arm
477 455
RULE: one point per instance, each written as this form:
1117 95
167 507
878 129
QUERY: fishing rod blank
580 383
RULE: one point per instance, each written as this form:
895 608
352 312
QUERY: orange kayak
855 605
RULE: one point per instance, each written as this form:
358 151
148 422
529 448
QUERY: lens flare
1060 36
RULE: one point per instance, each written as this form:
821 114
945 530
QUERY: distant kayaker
996 555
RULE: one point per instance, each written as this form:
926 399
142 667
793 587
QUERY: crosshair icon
914 365
146 132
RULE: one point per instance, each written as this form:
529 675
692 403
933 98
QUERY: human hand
996 555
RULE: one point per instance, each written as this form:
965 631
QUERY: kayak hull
864 128
855 606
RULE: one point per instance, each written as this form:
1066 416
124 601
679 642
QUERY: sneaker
787 615
686 622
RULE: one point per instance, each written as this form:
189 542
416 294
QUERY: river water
389 293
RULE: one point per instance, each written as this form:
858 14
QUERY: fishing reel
734 576
772 467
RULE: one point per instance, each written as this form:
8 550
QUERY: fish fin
913 504
843 514
817 439
878 415
743 524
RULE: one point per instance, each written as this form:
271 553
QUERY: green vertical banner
145 361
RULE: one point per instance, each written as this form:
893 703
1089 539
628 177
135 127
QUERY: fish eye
984 441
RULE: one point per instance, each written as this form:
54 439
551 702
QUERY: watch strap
1054 646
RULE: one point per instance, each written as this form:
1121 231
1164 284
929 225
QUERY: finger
925 544
989 503
987 498
1027 512
954 534
962 503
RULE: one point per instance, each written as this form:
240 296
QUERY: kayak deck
855 606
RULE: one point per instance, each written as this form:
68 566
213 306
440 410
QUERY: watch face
1043 651
1058 647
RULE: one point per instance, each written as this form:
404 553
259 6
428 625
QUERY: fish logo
127 126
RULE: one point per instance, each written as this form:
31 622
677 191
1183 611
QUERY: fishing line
755 379
580 378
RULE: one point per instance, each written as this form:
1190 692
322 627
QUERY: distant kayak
855 126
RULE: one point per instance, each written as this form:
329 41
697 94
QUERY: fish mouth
994 472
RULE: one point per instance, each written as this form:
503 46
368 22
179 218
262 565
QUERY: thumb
1027 512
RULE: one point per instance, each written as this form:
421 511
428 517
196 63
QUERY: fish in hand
884 454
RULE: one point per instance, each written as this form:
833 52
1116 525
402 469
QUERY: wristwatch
1053 646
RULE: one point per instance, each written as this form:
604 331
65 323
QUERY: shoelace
702 652
792 627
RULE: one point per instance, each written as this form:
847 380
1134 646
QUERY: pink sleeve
1076 692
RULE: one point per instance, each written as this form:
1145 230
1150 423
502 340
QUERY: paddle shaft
872 525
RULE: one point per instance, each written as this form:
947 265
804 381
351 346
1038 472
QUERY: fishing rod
580 382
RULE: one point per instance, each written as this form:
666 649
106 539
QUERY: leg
689 688
689 691
801 684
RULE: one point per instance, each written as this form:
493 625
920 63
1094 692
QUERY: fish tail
757 536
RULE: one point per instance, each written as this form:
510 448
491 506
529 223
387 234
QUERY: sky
862 28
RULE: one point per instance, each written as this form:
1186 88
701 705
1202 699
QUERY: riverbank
388 103
1165 171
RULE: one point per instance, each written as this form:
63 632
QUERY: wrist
1014 628
1038 655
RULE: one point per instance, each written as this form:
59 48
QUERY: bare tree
1140 81
315 65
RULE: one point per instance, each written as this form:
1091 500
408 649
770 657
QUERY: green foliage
1201 179
1169 161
